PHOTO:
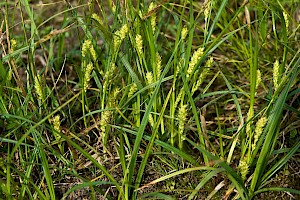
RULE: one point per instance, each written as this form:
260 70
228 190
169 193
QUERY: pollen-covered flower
132 90
184 33
120 35
97 18
38 87
86 47
149 78
139 43
243 167
276 74
153 16
286 19
105 118
203 74
258 78
13 45
258 130
158 65
250 115
194 60
182 117
87 76
207 9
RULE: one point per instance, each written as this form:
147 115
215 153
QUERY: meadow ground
149 100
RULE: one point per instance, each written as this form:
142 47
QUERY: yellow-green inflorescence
243 167
258 130
132 90
182 117
276 74
87 76
203 75
194 60
88 48
97 18
153 16
184 33
119 36
56 126
158 66
38 87
139 44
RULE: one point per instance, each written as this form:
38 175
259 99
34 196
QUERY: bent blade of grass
204 181
176 174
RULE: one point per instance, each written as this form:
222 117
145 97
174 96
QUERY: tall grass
110 88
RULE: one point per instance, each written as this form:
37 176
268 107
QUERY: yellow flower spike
258 130
87 76
97 18
86 47
38 87
276 74
132 90
158 65
139 43
286 19
243 167
194 60
184 33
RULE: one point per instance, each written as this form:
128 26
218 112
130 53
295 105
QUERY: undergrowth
140 99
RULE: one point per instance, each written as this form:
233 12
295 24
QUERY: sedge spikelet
276 74
153 16
87 76
203 75
139 43
38 87
194 60
56 126
119 36
85 47
182 117
132 90
243 167
258 130
158 66
184 33
250 115
97 18
13 45
286 19
258 78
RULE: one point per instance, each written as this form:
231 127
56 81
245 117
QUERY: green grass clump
129 100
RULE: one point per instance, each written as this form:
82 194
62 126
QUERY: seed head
87 76
194 60
258 78
120 35
203 74
244 167
286 19
276 74
184 33
38 87
158 65
132 90
97 18
86 47
139 43
258 130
